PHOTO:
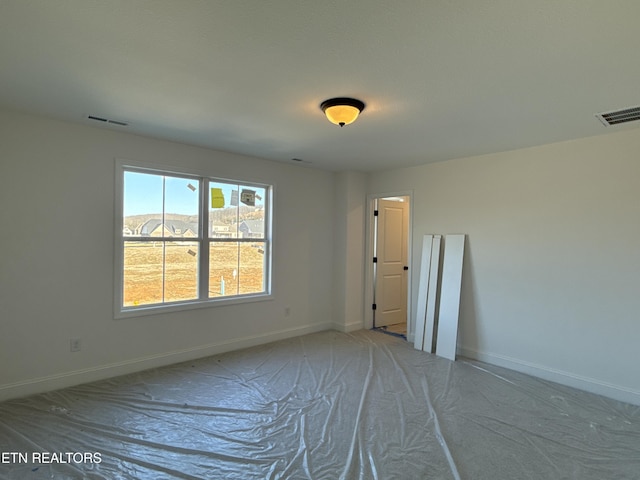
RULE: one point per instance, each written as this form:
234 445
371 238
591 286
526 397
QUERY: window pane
251 271
223 269
223 210
181 271
143 273
142 202
181 207
251 212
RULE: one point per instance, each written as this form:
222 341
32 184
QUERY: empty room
319 240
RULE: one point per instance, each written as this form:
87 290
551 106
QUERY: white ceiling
441 78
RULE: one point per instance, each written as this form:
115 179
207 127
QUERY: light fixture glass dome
342 111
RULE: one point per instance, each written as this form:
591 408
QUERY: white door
391 262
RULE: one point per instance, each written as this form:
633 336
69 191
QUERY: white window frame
203 239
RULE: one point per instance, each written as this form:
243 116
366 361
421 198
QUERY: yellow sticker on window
217 198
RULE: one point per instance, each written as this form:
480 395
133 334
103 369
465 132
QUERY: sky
143 194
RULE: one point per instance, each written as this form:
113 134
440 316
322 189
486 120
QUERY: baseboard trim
101 372
349 327
592 385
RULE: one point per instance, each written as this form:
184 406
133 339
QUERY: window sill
131 312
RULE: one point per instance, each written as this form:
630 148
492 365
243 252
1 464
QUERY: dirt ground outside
234 268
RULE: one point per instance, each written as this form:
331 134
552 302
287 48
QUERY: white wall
550 281
348 262
56 273
552 267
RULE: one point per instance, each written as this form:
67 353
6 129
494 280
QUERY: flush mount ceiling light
342 111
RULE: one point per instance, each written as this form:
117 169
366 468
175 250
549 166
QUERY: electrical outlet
74 344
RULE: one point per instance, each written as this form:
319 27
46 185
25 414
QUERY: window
189 240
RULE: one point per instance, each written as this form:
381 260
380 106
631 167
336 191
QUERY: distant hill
132 221
225 216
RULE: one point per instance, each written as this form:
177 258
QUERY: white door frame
369 244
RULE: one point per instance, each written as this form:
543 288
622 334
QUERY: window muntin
169 259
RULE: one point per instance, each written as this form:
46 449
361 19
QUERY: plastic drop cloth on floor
323 406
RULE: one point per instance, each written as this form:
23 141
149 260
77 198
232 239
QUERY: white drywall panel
423 292
428 292
432 296
450 296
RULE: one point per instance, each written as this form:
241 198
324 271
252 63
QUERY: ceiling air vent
107 120
630 114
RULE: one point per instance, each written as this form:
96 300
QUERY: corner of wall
348 262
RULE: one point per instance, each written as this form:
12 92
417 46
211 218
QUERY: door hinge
375 259
375 213
374 306
405 268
